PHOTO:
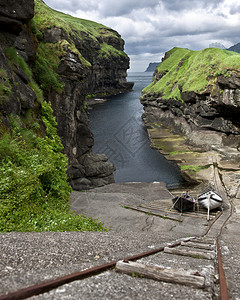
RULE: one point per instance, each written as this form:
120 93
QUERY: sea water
119 133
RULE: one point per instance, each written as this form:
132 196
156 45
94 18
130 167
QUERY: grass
5 86
188 70
94 37
179 152
194 168
46 17
34 192
108 51
16 60
46 65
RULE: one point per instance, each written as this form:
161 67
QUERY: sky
152 27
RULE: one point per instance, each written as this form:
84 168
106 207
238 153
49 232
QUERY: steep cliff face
61 59
152 67
198 94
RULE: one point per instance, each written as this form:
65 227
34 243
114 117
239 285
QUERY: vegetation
5 86
194 168
191 71
34 192
49 55
33 185
46 65
108 51
46 17
16 60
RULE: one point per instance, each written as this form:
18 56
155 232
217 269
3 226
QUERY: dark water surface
120 133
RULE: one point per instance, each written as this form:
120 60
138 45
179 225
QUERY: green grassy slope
191 71
46 17
34 192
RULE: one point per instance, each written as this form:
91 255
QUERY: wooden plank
169 211
190 252
204 240
154 214
198 245
179 276
193 214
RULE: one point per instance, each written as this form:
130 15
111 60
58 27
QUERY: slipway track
190 250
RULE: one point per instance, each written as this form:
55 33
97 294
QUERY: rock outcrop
69 59
235 48
13 14
152 67
197 93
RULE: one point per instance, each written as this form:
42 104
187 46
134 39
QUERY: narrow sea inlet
120 134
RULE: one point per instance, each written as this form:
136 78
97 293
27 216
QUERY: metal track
52 284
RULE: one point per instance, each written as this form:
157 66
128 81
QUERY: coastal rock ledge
192 112
197 94
70 60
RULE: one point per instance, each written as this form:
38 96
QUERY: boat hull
183 203
210 199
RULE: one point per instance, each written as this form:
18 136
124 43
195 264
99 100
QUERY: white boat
210 200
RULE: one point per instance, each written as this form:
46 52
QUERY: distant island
235 48
152 66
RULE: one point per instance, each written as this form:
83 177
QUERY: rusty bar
222 279
52 284
153 214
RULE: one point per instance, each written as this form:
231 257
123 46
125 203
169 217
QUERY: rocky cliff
235 48
197 93
45 54
152 66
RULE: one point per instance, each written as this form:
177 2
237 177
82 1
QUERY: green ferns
192 71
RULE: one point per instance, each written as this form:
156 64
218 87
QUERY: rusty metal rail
52 284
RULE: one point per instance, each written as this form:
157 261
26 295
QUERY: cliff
197 93
47 55
152 66
235 48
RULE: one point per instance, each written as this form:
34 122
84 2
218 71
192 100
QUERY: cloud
124 7
152 27
190 4
73 5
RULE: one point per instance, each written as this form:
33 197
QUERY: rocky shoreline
196 162
196 128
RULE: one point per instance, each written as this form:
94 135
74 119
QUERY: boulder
96 165
13 14
81 184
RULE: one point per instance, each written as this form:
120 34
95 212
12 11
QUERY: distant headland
152 66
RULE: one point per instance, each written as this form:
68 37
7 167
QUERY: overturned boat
210 200
185 202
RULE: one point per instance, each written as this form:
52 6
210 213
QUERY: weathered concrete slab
109 207
30 258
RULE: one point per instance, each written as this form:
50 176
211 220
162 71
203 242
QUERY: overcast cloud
152 27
